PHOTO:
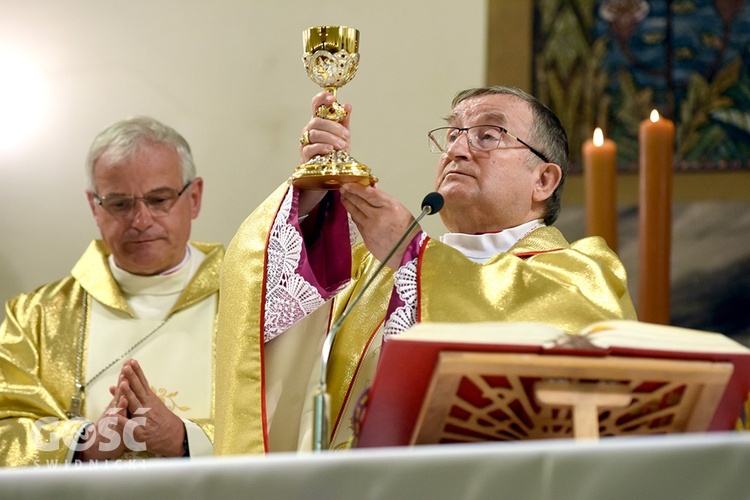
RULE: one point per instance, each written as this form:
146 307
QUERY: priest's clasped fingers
380 218
322 136
149 423
103 439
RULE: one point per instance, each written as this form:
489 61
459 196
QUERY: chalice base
329 172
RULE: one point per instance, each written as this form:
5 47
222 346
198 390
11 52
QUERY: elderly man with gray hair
115 361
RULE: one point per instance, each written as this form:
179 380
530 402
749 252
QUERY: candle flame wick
654 116
598 137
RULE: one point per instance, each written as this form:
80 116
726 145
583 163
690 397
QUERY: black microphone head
433 202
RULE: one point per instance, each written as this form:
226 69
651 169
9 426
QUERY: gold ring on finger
305 139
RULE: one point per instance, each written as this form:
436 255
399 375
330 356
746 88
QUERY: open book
466 382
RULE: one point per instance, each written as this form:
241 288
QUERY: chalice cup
331 60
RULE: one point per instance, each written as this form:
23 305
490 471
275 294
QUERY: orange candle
600 171
656 144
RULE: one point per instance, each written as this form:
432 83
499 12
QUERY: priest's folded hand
148 425
380 218
103 440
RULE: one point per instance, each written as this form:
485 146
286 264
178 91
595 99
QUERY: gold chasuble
39 353
541 278
265 382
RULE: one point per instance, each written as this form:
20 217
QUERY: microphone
431 204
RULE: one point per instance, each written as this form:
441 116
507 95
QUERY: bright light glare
22 98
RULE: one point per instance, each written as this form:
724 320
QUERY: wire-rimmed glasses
480 137
159 201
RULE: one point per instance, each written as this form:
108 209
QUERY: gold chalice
331 60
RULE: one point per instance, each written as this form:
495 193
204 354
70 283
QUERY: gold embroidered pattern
168 399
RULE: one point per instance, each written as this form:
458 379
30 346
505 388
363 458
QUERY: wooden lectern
498 396
472 382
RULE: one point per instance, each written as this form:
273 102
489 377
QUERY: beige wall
228 75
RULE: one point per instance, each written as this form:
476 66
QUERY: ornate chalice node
331 60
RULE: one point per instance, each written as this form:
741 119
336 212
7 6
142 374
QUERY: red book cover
406 366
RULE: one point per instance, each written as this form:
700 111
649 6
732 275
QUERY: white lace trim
354 235
405 316
289 297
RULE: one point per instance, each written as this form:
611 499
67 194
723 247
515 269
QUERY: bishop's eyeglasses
159 201
480 137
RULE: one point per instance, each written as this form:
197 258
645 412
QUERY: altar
679 466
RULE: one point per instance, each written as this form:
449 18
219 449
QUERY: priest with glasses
292 269
116 360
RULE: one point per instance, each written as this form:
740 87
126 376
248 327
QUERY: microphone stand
321 399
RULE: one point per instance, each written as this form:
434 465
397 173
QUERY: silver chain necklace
76 401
